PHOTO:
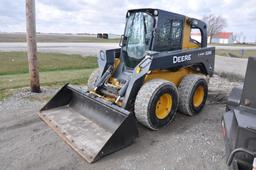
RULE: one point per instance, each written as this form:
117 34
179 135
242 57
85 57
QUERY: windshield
138 35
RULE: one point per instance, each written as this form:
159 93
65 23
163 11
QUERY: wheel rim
198 96
163 106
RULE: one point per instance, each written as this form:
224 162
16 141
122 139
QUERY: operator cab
157 30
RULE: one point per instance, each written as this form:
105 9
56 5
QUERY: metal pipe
235 151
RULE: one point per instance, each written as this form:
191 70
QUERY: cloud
109 16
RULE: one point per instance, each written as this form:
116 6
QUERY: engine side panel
203 57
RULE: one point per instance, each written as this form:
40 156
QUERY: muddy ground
188 143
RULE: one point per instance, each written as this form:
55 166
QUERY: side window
149 24
176 34
195 36
169 35
163 39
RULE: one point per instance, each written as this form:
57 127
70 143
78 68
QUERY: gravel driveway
188 143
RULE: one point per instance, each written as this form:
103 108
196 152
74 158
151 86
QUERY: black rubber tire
93 78
145 103
186 90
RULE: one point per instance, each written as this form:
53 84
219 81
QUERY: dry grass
236 53
231 77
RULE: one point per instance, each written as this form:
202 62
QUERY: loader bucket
89 124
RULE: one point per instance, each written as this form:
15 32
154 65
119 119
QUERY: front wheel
156 103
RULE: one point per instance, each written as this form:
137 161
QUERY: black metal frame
165 16
113 119
239 122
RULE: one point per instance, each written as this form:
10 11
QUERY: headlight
102 55
155 12
195 22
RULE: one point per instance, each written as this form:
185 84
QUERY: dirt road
84 49
188 143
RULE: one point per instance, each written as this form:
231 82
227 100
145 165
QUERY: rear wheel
193 91
156 103
93 78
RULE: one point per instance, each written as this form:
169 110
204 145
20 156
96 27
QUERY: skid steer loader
158 69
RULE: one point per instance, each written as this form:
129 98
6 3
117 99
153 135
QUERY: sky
92 16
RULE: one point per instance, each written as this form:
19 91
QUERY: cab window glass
195 36
169 35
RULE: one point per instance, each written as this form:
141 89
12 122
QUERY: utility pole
32 47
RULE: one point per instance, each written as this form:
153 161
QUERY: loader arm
203 58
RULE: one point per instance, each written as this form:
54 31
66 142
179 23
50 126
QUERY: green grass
16 62
52 78
55 69
235 53
61 77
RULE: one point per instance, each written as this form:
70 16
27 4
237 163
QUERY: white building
221 37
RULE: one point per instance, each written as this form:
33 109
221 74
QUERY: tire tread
185 92
142 102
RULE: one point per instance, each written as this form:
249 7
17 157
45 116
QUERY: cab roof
151 10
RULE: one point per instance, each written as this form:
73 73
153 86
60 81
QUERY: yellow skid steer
158 69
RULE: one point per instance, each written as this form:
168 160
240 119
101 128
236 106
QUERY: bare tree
215 24
244 38
237 37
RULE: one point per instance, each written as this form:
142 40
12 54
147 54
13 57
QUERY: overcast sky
94 16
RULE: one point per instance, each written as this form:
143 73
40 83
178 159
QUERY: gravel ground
188 143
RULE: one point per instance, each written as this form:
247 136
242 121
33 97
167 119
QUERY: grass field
236 53
55 69
21 37
79 76
16 62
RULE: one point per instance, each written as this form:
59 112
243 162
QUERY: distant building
221 37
